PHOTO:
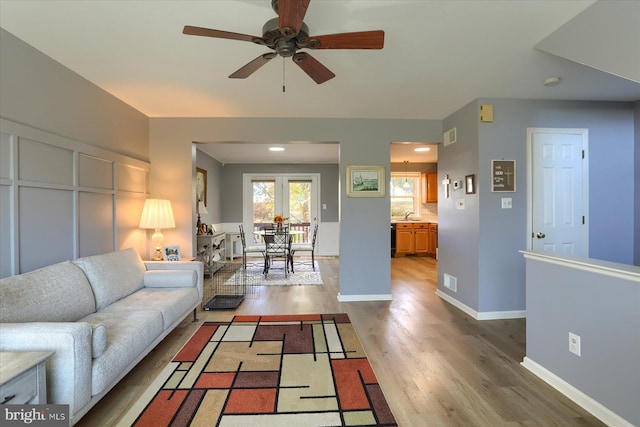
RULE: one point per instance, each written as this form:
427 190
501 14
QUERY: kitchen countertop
414 221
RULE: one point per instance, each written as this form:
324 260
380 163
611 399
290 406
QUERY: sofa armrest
69 368
196 266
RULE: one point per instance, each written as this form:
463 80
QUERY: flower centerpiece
279 220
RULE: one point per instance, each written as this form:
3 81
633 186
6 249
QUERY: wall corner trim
483 315
356 298
595 408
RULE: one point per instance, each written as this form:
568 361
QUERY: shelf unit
211 250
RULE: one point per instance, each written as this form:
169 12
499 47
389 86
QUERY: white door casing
557 196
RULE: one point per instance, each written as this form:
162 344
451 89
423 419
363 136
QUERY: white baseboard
483 315
355 298
595 408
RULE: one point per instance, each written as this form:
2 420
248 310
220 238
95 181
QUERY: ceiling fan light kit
287 34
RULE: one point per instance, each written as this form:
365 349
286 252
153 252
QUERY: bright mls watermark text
34 415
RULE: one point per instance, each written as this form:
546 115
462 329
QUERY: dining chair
305 247
277 245
251 249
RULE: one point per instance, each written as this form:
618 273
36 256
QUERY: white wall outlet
507 203
574 344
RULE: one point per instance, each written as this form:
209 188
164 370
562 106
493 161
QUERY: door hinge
583 154
582 219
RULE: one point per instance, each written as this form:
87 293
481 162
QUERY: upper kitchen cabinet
429 187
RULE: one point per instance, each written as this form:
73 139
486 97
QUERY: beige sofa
100 315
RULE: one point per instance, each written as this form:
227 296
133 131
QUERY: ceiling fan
287 34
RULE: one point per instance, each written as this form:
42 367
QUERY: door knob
541 235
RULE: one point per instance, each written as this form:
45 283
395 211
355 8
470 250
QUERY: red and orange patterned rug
290 370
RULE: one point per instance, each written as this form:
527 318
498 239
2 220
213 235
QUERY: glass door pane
300 209
264 204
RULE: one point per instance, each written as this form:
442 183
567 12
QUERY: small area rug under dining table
276 370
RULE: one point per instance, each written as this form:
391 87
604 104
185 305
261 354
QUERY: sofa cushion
129 334
170 278
57 293
113 275
173 303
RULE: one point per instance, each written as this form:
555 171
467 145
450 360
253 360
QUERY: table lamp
157 214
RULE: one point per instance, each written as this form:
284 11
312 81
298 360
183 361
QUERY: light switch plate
507 203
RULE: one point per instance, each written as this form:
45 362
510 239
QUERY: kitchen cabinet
432 240
414 239
429 187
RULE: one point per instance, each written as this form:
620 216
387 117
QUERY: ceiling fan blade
358 40
318 72
253 66
291 14
207 32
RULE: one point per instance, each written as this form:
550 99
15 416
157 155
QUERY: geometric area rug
267 371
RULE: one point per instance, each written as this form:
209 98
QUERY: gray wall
493 236
459 230
604 310
231 181
216 199
39 92
65 117
364 266
637 182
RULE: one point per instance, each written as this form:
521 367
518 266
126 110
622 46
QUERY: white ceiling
438 55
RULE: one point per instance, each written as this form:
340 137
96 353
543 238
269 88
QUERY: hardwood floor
436 365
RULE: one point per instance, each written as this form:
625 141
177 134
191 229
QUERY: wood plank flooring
436 365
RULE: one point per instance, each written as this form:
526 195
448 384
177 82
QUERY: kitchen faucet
407 215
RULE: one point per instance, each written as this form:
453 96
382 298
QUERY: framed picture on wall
503 176
201 185
365 181
470 184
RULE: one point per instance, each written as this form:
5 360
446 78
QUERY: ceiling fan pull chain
283 90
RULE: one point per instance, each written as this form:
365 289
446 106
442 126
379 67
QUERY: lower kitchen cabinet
432 244
405 242
416 239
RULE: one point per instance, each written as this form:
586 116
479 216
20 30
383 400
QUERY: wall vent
449 137
450 282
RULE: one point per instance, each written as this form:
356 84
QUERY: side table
23 377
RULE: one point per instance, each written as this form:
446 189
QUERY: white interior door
558 190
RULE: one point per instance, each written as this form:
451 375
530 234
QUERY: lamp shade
157 214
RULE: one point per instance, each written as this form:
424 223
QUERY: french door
293 196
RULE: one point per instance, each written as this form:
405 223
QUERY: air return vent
450 282
449 137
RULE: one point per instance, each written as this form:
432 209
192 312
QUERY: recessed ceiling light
276 148
420 149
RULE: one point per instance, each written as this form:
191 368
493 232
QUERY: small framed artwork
171 253
201 185
365 181
470 184
503 176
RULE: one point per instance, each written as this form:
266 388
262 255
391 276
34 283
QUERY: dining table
286 247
